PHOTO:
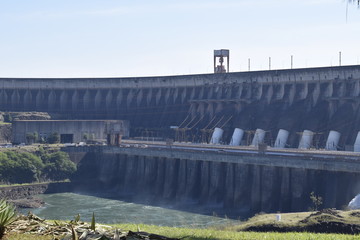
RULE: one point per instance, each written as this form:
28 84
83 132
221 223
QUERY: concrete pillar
119 98
341 90
304 91
329 90
219 92
216 136
158 96
269 94
27 100
175 94
204 181
170 179
149 96
219 107
108 100
239 92
280 91
98 103
306 139
139 97
316 93
237 137
75 101
183 94
356 90
129 97
357 143
332 140
39 100
167 95
86 100
210 110
292 92
51 100
192 94
258 91
63 100
248 91
15 99
3 98
210 92
281 139
259 137
201 109
229 91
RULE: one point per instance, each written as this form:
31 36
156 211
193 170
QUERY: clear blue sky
105 38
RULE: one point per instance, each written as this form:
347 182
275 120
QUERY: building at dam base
69 131
319 100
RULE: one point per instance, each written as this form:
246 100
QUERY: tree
58 166
53 138
316 200
20 167
32 137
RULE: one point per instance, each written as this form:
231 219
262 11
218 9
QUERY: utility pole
269 63
249 64
292 61
339 58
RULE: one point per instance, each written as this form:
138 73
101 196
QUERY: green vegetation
316 200
324 221
207 234
53 138
32 137
7 216
24 167
223 233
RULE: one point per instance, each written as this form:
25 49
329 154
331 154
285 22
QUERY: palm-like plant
7 215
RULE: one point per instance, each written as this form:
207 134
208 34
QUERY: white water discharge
355 202
64 206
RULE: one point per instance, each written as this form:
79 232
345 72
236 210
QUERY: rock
29 202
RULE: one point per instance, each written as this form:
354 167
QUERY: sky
129 38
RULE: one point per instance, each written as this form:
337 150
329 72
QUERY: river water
64 206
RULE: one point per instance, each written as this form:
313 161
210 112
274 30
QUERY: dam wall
231 188
316 99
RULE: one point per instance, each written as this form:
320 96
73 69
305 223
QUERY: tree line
24 167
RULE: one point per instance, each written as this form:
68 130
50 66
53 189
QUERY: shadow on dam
231 189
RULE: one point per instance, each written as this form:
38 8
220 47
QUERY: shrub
53 138
7 216
58 166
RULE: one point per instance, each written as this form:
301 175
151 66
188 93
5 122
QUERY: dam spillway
235 182
315 99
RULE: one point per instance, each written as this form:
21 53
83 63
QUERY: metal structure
219 56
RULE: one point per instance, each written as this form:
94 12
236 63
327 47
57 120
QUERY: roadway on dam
338 161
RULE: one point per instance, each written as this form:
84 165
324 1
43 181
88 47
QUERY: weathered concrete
79 130
232 188
287 159
318 99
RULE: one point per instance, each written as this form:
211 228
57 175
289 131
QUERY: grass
207 234
35 183
299 220
233 232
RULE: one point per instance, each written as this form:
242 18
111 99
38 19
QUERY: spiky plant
7 215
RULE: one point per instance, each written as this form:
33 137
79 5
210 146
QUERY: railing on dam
315 160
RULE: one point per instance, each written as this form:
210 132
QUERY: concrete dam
225 181
314 108
315 99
